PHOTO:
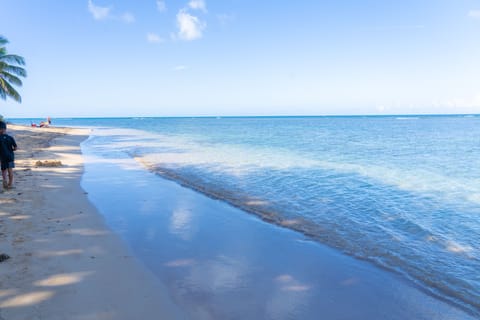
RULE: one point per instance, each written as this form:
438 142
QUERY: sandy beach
64 263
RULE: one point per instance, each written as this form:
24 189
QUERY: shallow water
400 192
220 263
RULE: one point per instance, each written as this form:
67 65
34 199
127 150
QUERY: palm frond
11 78
12 58
6 90
3 40
3 89
10 71
19 71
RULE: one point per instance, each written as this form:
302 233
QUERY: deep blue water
401 192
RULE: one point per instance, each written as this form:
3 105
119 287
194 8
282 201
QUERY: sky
107 58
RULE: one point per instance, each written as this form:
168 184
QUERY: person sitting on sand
45 123
7 147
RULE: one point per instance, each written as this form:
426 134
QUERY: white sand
65 263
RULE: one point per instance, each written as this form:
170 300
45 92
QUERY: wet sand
219 262
64 261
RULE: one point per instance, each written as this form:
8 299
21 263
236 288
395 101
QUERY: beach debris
48 163
4 257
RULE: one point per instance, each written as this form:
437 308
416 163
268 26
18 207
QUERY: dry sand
64 262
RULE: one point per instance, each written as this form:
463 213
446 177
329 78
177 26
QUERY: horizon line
260 116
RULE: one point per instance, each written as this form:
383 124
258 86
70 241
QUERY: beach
64 262
140 246
265 163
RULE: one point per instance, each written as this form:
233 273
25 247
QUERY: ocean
401 192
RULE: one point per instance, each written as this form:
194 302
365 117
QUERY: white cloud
127 17
104 13
180 68
474 14
190 27
381 108
99 13
198 5
469 102
154 38
161 6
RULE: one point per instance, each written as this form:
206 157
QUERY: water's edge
417 221
258 210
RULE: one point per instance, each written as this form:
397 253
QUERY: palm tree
10 71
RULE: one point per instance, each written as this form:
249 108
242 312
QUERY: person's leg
4 176
10 177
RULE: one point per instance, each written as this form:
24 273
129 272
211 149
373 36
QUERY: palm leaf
3 41
3 93
10 71
19 71
12 58
11 78
7 90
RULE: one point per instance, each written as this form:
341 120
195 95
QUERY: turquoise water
400 192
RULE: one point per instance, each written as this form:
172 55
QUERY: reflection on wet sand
26 299
288 298
180 263
180 223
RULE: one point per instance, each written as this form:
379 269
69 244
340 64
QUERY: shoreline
64 261
183 235
260 210
257 210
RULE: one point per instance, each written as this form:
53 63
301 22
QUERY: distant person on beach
7 148
45 123
42 124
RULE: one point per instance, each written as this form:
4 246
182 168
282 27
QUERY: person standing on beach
7 147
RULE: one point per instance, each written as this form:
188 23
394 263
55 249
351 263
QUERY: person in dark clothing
7 157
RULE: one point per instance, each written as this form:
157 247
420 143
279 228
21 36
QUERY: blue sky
244 57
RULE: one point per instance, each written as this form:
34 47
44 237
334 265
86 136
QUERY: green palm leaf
12 58
9 91
19 71
10 71
12 79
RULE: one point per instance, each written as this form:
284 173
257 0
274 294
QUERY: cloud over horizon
180 68
198 5
99 13
190 27
154 38
104 13
189 24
